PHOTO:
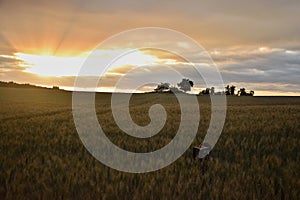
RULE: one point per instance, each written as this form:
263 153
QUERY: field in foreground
257 156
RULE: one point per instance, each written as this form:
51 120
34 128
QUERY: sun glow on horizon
47 65
57 66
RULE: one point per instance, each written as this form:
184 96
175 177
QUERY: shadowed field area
256 157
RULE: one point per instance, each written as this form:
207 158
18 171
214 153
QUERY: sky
255 44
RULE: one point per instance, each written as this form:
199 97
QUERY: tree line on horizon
186 84
12 84
19 85
182 87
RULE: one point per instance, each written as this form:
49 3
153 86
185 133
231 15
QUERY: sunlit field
42 156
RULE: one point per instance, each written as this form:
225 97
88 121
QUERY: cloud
271 69
9 63
263 69
233 31
79 24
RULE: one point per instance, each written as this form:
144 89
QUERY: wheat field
42 156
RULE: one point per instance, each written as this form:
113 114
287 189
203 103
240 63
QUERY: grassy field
257 156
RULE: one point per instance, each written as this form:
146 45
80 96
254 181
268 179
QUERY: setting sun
51 65
47 65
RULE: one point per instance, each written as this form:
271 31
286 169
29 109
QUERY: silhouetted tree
232 89
242 92
227 90
55 87
212 91
206 91
162 87
185 85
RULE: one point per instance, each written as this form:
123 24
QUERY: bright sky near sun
45 65
255 44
